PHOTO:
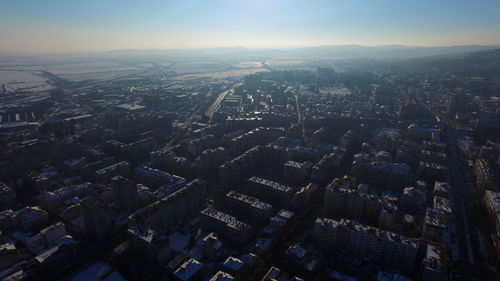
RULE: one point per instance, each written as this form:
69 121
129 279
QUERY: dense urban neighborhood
251 169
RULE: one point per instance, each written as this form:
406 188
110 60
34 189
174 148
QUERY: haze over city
242 140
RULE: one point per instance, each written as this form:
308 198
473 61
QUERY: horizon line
96 52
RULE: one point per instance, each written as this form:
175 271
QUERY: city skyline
93 26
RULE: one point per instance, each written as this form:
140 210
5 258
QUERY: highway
216 104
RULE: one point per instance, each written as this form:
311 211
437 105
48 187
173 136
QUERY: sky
74 26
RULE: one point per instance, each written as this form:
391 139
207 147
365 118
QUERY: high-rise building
434 267
491 200
155 178
485 178
271 190
33 218
296 172
7 197
8 221
171 209
323 170
150 243
457 103
104 175
441 189
124 194
344 200
431 171
226 225
207 163
242 166
413 197
387 174
9 255
360 240
98 221
435 224
248 206
168 161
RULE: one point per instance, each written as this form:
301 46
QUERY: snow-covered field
198 67
23 81
91 70
284 64
341 91
247 64
221 74
18 75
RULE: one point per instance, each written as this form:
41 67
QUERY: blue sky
96 25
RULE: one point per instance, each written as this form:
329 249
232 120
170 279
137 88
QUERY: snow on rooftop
188 269
234 263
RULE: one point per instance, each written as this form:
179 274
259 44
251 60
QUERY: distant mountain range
483 63
320 52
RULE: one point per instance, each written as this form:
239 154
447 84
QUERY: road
458 196
216 104
470 266
299 111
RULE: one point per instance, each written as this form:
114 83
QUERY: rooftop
188 269
130 107
285 214
435 217
442 204
113 167
233 263
272 184
5 188
249 200
433 258
382 234
441 186
222 276
229 220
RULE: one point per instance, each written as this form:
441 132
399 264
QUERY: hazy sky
95 25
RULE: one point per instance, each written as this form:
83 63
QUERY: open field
11 81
